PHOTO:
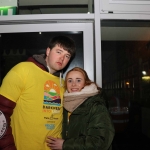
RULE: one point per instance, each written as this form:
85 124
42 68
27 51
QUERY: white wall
125 6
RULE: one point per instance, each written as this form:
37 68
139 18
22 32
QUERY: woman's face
75 81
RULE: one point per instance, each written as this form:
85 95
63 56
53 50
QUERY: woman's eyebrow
69 78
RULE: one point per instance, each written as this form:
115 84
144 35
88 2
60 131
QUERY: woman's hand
54 143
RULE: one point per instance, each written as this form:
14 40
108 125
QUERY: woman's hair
86 78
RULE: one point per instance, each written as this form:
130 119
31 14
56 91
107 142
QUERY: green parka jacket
90 126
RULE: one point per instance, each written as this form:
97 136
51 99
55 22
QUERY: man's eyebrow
60 50
69 54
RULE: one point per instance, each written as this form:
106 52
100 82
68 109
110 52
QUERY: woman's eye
69 81
78 80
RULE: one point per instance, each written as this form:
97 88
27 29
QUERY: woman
90 126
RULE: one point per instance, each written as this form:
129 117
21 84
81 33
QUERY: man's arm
7 140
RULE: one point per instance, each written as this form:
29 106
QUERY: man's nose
62 57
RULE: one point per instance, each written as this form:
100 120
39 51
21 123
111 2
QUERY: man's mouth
59 63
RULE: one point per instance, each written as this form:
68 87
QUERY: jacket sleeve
7 140
65 123
99 133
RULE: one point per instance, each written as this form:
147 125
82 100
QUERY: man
31 96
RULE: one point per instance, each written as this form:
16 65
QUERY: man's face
57 58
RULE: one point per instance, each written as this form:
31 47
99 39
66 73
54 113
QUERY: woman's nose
73 83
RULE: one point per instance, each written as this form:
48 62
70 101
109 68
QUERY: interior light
144 72
146 77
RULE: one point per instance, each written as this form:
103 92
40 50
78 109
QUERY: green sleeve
65 123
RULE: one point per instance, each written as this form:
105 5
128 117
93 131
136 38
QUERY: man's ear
47 51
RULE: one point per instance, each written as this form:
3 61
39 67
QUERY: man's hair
65 42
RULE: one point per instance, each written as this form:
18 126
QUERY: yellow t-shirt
39 110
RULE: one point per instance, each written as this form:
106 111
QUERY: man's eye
58 51
68 56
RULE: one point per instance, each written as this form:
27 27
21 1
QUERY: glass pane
126 80
17 47
55 7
